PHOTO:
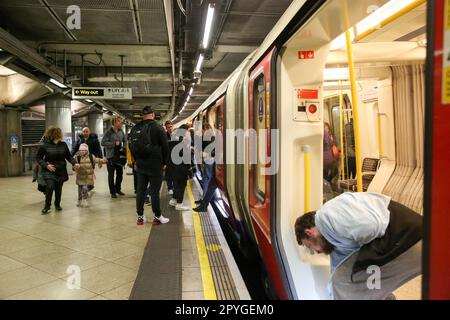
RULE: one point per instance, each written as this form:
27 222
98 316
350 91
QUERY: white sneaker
84 204
143 217
172 202
182 207
161 219
170 191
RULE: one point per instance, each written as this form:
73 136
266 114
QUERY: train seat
369 169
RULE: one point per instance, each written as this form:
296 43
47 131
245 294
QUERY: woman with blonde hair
52 156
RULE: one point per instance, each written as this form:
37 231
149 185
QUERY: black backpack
140 142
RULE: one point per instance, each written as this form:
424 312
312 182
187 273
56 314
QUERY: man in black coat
91 139
150 168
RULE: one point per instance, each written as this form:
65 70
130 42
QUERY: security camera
197 74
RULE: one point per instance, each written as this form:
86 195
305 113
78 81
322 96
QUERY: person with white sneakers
150 149
180 165
85 172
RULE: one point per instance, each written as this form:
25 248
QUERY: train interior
314 92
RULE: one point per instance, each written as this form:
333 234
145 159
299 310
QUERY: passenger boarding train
390 122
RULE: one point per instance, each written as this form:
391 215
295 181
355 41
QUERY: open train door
436 259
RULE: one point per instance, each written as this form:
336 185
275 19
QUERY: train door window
259 116
219 117
336 124
212 117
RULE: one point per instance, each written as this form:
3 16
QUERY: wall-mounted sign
14 143
306 105
102 93
306 55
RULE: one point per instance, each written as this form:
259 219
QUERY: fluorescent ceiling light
372 21
336 74
341 41
89 100
375 19
199 62
208 25
57 83
191 91
188 99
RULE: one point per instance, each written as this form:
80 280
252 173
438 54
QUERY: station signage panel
102 93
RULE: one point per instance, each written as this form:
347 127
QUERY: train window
259 124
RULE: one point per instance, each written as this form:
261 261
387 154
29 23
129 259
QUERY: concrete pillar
11 163
95 123
58 113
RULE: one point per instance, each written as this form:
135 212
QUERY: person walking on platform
91 139
115 144
178 167
85 173
52 157
168 174
374 244
150 149
208 174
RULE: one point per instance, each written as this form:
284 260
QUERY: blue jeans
209 183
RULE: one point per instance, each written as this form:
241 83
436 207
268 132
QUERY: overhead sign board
102 93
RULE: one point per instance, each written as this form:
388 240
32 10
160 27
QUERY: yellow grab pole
380 141
351 67
341 133
307 176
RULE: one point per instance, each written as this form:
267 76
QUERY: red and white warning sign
307 94
305 55
306 105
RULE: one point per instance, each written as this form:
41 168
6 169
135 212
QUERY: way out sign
102 93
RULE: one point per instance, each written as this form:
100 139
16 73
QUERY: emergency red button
312 108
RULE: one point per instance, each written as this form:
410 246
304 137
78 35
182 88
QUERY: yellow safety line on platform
209 290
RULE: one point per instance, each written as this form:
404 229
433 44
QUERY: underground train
376 73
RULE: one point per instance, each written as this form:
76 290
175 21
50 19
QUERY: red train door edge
436 258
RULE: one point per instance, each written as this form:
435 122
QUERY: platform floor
38 253
103 241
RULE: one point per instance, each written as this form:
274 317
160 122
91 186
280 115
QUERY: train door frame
436 236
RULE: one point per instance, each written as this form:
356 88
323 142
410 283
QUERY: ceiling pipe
15 47
169 15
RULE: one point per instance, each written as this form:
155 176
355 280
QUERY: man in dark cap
149 147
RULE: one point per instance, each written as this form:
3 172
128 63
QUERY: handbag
335 151
120 157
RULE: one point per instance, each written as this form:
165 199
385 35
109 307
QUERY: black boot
200 208
45 210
